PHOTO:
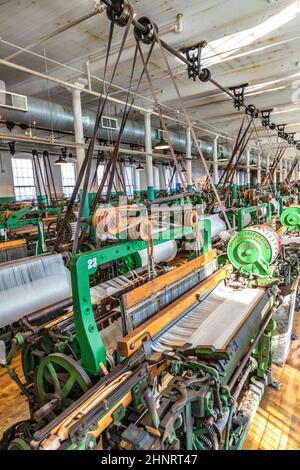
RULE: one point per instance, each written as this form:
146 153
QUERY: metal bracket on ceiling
297 143
251 110
12 148
239 95
281 131
265 117
194 56
291 139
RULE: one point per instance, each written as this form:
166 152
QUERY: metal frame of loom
107 403
12 250
83 266
16 220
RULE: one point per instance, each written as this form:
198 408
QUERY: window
100 173
68 176
23 179
171 178
129 180
13 101
109 123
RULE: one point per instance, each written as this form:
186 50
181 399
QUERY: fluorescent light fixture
292 125
225 47
60 161
286 111
265 91
162 146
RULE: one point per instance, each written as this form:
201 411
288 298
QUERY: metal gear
60 377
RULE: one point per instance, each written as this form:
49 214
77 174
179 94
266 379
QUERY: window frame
129 180
99 179
169 173
110 124
68 181
22 169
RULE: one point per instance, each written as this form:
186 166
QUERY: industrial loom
167 341
21 228
183 357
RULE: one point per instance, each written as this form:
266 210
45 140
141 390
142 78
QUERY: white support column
189 159
289 166
156 178
41 180
78 126
285 170
275 177
162 177
248 170
259 169
295 174
215 160
268 164
137 181
149 159
79 138
281 172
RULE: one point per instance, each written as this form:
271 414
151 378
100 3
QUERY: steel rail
170 49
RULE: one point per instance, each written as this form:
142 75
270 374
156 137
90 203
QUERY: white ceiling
255 42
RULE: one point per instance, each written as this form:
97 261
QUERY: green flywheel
253 250
290 218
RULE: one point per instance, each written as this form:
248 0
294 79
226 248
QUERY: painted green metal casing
235 192
6 200
251 253
151 193
290 218
282 202
34 218
252 211
85 265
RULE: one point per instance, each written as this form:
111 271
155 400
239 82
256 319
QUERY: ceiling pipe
59 118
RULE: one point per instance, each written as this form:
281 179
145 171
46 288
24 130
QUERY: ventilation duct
60 118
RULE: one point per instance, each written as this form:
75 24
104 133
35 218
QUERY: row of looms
150 321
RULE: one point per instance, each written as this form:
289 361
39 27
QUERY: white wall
6 177
198 170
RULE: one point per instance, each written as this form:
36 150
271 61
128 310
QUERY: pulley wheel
67 233
205 75
146 37
60 377
253 250
290 218
19 444
52 230
122 15
30 358
127 264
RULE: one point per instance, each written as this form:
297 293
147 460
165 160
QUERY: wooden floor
277 423
13 406
275 427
